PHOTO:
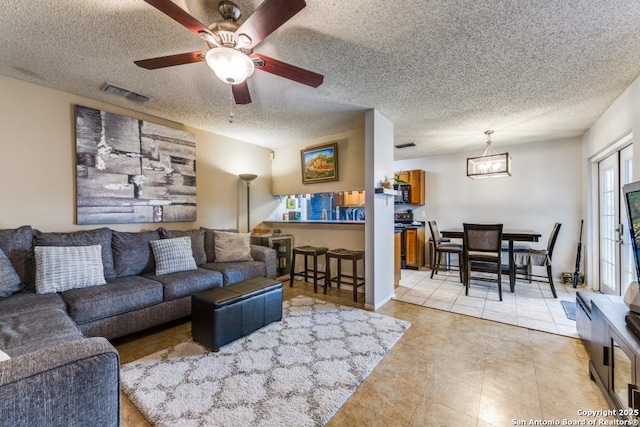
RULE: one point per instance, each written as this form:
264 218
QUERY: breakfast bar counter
315 222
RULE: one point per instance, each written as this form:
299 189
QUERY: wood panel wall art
132 171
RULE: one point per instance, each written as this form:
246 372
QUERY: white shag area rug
298 371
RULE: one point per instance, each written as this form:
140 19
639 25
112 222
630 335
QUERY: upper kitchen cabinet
349 198
415 179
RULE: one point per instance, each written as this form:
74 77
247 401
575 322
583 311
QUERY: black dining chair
482 246
443 248
525 259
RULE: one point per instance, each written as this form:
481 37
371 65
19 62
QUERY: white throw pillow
230 247
60 268
173 255
4 356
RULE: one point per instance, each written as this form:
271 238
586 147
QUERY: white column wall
379 210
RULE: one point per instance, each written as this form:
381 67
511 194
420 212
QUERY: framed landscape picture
319 163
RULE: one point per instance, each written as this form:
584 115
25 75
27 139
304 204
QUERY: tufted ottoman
222 315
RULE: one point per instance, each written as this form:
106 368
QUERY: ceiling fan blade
288 71
241 93
171 60
268 17
174 11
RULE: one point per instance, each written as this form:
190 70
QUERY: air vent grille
407 145
125 93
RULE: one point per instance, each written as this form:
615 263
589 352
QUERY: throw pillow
17 245
230 247
9 279
197 242
173 255
99 236
132 253
209 244
60 268
4 356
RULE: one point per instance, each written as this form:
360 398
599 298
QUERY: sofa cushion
116 297
238 271
232 247
184 283
132 253
99 236
17 245
197 242
173 255
9 279
25 301
209 241
60 268
27 332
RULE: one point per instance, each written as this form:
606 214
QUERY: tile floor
447 370
531 305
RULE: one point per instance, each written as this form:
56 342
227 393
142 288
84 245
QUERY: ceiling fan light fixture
230 65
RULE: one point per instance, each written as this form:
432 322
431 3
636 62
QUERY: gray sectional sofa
62 370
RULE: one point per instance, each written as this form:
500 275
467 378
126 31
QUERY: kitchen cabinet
614 354
416 179
414 247
349 198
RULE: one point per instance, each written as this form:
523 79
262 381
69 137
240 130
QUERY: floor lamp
248 177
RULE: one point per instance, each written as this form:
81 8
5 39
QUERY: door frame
592 263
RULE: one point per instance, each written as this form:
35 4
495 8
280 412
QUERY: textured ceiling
442 71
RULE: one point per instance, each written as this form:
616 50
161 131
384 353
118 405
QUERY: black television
632 201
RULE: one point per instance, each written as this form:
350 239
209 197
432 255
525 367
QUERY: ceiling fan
230 53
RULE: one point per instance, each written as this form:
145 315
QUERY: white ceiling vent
410 144
125 93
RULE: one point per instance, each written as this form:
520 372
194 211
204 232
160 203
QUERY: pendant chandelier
490 164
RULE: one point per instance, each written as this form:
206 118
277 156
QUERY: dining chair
525 259
482 251
443 248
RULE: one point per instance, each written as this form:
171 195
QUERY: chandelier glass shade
490 164
230 65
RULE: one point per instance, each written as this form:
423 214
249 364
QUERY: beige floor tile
501 412
430 413
460 392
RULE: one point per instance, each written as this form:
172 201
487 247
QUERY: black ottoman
222 315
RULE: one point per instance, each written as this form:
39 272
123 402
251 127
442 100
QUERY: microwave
403 196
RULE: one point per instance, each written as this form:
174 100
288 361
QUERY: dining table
508 234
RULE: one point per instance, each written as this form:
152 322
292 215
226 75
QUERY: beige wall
37 177
287 172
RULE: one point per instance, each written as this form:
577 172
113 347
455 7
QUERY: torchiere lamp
248 177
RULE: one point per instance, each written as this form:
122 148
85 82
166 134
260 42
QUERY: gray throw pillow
9 279
197 242
60 268
232 247
17 245
132 253
173 255
98 236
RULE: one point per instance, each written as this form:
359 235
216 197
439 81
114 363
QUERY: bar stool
348 255
314 252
